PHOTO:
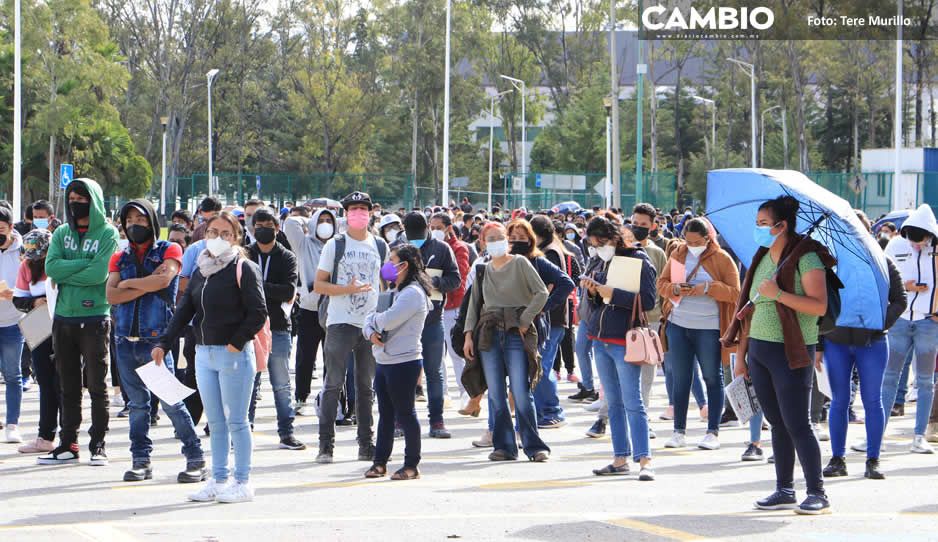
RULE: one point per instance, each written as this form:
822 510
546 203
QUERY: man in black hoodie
280 275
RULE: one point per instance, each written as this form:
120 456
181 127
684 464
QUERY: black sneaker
63 455
729 419
753 453
290 443
584 395
194 473
501 455
154 419
897 411
598 430
419 395
852 416
346 421
139 472
872 470
98 455
124 412
366 452
778 501
325 453
836 468
438 430
814 505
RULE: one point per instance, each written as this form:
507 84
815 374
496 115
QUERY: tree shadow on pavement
655 528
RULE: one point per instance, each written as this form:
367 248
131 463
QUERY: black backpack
457 334
828 322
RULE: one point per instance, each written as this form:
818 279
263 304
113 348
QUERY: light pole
211 175
445 202
897 136
494 99
519 86
607 189
762 135
614 133
752 114
163 121
17 111
713 126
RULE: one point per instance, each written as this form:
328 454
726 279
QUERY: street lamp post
608 101
211 175
762 135
520 86
752 90
494 99
713 126
163 121
445 202
18 111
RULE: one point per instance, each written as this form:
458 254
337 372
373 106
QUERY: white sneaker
209 491
595 406
677 440
13 434
709 442
485 441
859 446
651 434
298 408
921 446
117 400
820 432
236 492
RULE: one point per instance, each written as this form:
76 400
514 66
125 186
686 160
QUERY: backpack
828 322
323 308
457 335
263 341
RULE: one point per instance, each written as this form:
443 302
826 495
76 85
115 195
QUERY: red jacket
454 298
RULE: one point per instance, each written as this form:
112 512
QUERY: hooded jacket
917 265
307 247
78 262
9 269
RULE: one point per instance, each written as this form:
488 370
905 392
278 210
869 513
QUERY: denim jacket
155 308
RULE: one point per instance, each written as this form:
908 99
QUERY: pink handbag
642 344
263 341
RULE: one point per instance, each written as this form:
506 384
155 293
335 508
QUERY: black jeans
396 388
785 396
49 391
565 352
194 401
340 341
74 343
309 336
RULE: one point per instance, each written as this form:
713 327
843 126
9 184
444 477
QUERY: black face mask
3 239
139 234
655 232
264 236
79 209
520 247
640 233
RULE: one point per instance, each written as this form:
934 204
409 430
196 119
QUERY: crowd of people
514 300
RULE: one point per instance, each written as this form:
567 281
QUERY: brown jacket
795 349
724 288
509 320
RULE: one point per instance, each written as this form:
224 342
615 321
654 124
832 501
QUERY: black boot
872 470
139 472
194 473
836 467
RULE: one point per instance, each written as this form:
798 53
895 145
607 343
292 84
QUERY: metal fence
871 192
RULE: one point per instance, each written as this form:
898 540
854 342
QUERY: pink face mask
358 219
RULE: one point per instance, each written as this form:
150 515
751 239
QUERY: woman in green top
782 335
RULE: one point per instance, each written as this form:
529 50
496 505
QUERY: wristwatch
707 287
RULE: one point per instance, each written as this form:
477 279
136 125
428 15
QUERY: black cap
357 198
415 226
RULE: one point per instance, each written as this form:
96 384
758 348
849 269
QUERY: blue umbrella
896 217
733 200
566 207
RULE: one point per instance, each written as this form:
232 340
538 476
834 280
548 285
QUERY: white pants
449 321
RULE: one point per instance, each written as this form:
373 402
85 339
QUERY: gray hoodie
307 247
403 322
9 268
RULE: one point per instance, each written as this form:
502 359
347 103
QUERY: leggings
49 390
870 361
395 387
565 353
309 336
785 396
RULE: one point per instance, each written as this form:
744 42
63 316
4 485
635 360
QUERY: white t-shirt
361 262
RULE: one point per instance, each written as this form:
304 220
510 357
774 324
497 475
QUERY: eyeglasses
213 233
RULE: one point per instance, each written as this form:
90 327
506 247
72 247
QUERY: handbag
642 344
263 341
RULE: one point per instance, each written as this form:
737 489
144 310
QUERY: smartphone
921 285
686 285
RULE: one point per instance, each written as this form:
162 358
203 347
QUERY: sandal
376 471
406 473
612 470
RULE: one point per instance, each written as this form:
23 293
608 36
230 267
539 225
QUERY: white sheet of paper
36 327
625 274
823 382
163 383
740 397
52 294
435 295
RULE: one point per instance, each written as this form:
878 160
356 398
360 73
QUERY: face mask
358 219
571 236
324 230
640 233
763 236
265 235
139 234
591 251
41 223
389 272
391 235
439 235
497 249
520 247
697 251
249 223
79 209
606 252
655 232
122 244
418 242
217 246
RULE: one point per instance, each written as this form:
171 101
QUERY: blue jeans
870 361
704 345
11 350
622 385
433 345
904 380
696 384
546 403
396 388
755 427
584 354
225 383
130 356
921 337
508 358
279 373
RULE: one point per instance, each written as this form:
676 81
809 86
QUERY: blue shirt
191 257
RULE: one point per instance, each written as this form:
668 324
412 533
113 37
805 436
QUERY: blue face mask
41 223
418 242
763 236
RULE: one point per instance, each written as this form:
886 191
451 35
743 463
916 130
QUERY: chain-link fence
871 192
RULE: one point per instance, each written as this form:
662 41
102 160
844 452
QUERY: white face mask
391 235
217 246
592 251
122 244
497 248
439 235
697 251
606 252
324 230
